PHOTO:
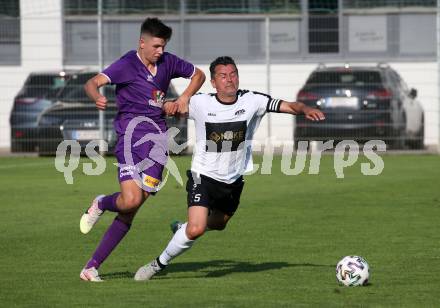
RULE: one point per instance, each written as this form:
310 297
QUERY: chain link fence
371 66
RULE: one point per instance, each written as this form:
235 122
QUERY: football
352 271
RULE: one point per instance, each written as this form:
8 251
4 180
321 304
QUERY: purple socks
115 233
108 203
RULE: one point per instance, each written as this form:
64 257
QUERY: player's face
226 80
151 48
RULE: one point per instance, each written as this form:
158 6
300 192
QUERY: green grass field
280 250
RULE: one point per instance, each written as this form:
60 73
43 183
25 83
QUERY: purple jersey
140 96
138 91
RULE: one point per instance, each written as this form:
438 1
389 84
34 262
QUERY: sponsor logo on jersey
241 111
210 114
151 182
226 136
215 137
229 135
126 170
149 78
157 98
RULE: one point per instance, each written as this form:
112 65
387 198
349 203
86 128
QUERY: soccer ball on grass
352 271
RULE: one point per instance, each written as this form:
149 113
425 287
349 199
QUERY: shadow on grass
216 268
117 275
342 288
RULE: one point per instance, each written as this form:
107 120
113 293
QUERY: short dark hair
224 60
156 28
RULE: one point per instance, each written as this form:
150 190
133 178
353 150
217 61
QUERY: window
9 32
42 85
357 4
310 30
80 7
323 26
399 82
357 78
74 89
123 7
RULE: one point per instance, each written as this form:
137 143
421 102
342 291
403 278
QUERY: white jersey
224 133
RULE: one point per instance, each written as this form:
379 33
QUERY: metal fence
324 53
299 31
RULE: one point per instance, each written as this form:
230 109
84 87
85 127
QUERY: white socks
178 244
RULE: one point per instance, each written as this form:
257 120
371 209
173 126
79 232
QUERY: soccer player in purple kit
142 78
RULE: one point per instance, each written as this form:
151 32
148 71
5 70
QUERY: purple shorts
142 153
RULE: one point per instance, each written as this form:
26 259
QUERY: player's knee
194 231
132 202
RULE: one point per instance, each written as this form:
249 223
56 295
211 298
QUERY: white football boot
91 216
90 274
147 271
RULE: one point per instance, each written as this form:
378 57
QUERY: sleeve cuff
194 71
273 105
108 78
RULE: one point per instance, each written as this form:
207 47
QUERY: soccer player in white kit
225 124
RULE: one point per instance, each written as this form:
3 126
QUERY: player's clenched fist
101 102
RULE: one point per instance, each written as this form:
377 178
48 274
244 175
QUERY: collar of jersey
226 103
155 65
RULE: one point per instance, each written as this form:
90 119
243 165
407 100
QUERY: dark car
75 117
361 103
38 93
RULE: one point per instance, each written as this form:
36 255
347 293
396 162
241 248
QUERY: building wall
42 49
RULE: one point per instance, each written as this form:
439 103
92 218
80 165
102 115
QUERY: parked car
38 93
361 103
75 117
72 109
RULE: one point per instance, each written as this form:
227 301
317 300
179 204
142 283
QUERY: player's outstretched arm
91 87
195 84
310 113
